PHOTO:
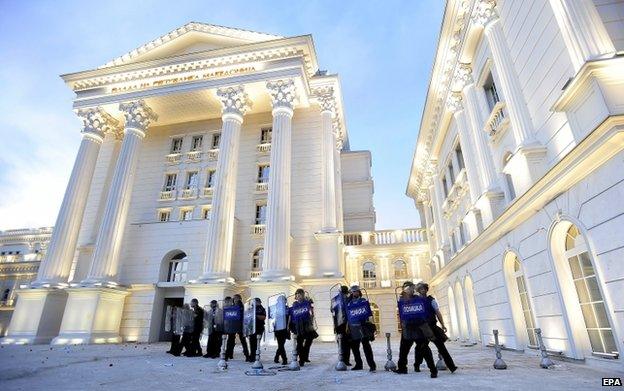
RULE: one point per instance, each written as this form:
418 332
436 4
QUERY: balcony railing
386 237
212 154
262 187
207 192
189 193
167 195
369 284
173 158
258 229
193 156
255 274
498 121
263 148
7 303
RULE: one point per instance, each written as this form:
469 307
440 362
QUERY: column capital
283 94
138 115
325 98
234 100
454 102
462 76
97 123
484 12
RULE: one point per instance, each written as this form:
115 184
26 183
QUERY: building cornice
26 235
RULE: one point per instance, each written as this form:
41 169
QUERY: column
485 15
454 104
105 262
276 262
217 263
583 31
338 176
56 265
327 101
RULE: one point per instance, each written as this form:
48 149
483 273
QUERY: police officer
198 326
302 324
341 329
281 336
440 336
361 329
213 348
253 339
175 336
414 313
238 301
187 331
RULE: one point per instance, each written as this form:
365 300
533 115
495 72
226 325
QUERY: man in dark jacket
341 329
213 348
253 339
198 327
238 301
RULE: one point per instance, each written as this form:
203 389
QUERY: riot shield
301 318
338 310
188 320
232 319
179 321
278 312
168 318
208 320
249 318
358 312
411 314
218 320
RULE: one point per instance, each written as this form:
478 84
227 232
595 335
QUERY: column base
491 204
206 292
92 316
319 291
329 254
264 289
527 166
37 316
276 276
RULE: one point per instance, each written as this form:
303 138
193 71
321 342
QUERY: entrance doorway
166 336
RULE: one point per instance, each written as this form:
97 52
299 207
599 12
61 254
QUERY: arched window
177 268
400 269
461 311
256 262
589 295
369 275
453 314
520 302
527 312
472 309
5 296
376 316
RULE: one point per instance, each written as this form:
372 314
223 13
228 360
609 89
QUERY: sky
382 51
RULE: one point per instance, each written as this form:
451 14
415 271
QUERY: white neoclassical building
518 174
213 161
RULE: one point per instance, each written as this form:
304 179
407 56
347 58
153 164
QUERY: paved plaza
148 367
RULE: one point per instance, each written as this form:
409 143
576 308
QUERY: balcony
369 283
258 229
255 274
193 156
498 121
7 303
385 237
263 148
207 192
188 193
167 195
262 187
173 158
212 154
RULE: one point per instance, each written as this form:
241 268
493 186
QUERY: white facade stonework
518 174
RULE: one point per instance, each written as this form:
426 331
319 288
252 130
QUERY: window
196 143
176 145
510 186
451 173
216 139
491 93
164 215
191 180
177 268
170 182
263 173
445 186
400 269
369 275
589 295
210 178
206 212
186 214
525 303
266 135
261 214
256 259
463 235
460 157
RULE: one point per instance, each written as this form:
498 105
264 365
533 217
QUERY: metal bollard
440 364
258 364
222 365
390 365
498 363
546 362
340 365
294 363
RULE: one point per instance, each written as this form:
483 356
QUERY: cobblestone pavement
148 367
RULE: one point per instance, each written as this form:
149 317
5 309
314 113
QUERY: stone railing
173 158
7 303
255 274
258 229
188 193
369 284
264 148
262 187
212 154
194 156
498 121
385 237
167 195
10 258
207 192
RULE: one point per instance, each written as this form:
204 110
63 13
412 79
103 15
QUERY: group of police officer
418 312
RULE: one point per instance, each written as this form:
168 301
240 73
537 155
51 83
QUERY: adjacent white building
518 174
213 161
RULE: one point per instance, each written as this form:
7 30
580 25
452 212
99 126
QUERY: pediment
190 38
